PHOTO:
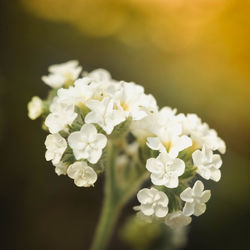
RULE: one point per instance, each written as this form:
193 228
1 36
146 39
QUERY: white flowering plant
99 125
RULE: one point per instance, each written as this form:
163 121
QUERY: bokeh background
193 55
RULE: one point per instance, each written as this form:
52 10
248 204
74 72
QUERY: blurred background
193 55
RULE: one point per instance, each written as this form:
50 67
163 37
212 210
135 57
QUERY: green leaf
68 157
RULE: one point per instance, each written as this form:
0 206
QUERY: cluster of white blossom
84 113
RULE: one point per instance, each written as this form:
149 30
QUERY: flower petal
198 188
199 209
144 196
161 211
186 195
215 174
205 196
154 143
154 165
188 209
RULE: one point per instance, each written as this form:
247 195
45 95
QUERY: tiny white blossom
132 100
105 113
143 128
55 145
169 142
208 164
62 73
165 170
83 175
79 93
103 89
153 202
177 219
201 133
168 132
60 168
195 199
87 143
98 75
54 80
61 115
35 108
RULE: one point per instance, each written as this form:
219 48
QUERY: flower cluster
86 113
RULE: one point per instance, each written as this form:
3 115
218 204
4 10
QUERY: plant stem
109 215
111 207
114 200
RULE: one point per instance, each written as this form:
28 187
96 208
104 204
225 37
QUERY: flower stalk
111 205
115 197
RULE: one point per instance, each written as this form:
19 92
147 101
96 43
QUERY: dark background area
194 57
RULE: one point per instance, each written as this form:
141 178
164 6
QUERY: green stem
111 208
114 200
109 215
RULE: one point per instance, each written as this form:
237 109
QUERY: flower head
133 101
56 146
153 202
35 107
105 113
207 163
168 133
87 143
200 132
195 199
61 74
167 149
165 170
83 175
62 114
99 75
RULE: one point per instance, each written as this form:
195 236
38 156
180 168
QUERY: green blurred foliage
192 55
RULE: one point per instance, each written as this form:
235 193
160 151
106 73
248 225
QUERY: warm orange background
193 55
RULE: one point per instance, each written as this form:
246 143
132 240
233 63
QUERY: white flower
87 143
54 80
177 219
35 108
60 168
169 142
98 75
167 116
133 101
105 113
56 146
201 133
83 175
103 89
61 115
207 163
79 93
168 131
143 128
153 202
61 74
195 199
165 170
148 105
102 85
